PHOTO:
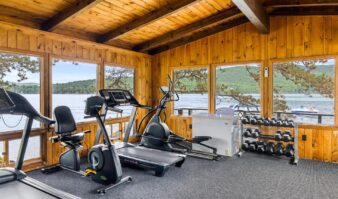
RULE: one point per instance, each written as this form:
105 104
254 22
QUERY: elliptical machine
105 167
157 134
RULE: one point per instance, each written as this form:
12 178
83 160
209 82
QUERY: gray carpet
251 176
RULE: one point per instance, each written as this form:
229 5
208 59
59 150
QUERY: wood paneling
290 37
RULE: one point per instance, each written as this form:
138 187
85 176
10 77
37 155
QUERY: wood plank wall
14 38
290 37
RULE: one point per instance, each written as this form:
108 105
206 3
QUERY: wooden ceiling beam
198 35
298 3
70 12
181 32
304 11
256 13
145 20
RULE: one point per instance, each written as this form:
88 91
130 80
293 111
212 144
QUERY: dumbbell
246 120
253 120
289 151
266 122
260 121
247 132
255 133
253 146
270 148
279 122
279 149
291 123
287 137
245 145
278 135
261 147
273 122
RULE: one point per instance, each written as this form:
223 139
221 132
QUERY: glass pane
21 74
238 87
73 83
120 78
305 90
192 86
33 149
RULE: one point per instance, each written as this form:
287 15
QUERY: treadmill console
118 97
6 103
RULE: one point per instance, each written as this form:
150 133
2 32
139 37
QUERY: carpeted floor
251 176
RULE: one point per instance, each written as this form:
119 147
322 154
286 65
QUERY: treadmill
14 183
130 154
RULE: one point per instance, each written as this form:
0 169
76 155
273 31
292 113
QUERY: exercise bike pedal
89 172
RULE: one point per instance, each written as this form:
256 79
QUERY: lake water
77 104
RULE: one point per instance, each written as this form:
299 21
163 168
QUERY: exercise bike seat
199 139
65 126
74 138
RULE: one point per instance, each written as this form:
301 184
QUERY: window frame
262 89
107 64
65 58
171 105
304 58
42 82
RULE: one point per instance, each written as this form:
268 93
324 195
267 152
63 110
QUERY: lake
77 104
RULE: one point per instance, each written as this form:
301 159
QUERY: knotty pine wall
290 37
47 45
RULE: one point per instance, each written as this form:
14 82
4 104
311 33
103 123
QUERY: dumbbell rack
294 159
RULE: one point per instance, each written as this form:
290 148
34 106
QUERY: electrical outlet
304 137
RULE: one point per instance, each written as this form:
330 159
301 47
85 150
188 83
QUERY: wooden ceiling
152 26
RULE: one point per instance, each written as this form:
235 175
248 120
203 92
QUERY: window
73 83
192 87
120 78
304 90
21 74
238 87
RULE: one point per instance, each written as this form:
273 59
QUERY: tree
20 64
122 78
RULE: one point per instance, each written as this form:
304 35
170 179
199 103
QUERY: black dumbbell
291 123
255 133
245 145
253 120
253 146
289 151
261 147
287 137
246 120
266 122
279 122
279 149
247 132
260 121
273 122
285 122
270 148
278 135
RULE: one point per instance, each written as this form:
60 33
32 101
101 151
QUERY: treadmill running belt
19 190
156 156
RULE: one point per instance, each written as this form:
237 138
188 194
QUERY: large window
73 83
238 87
120 78
304 90
192 86
21 74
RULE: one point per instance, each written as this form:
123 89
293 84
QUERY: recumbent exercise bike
105 167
